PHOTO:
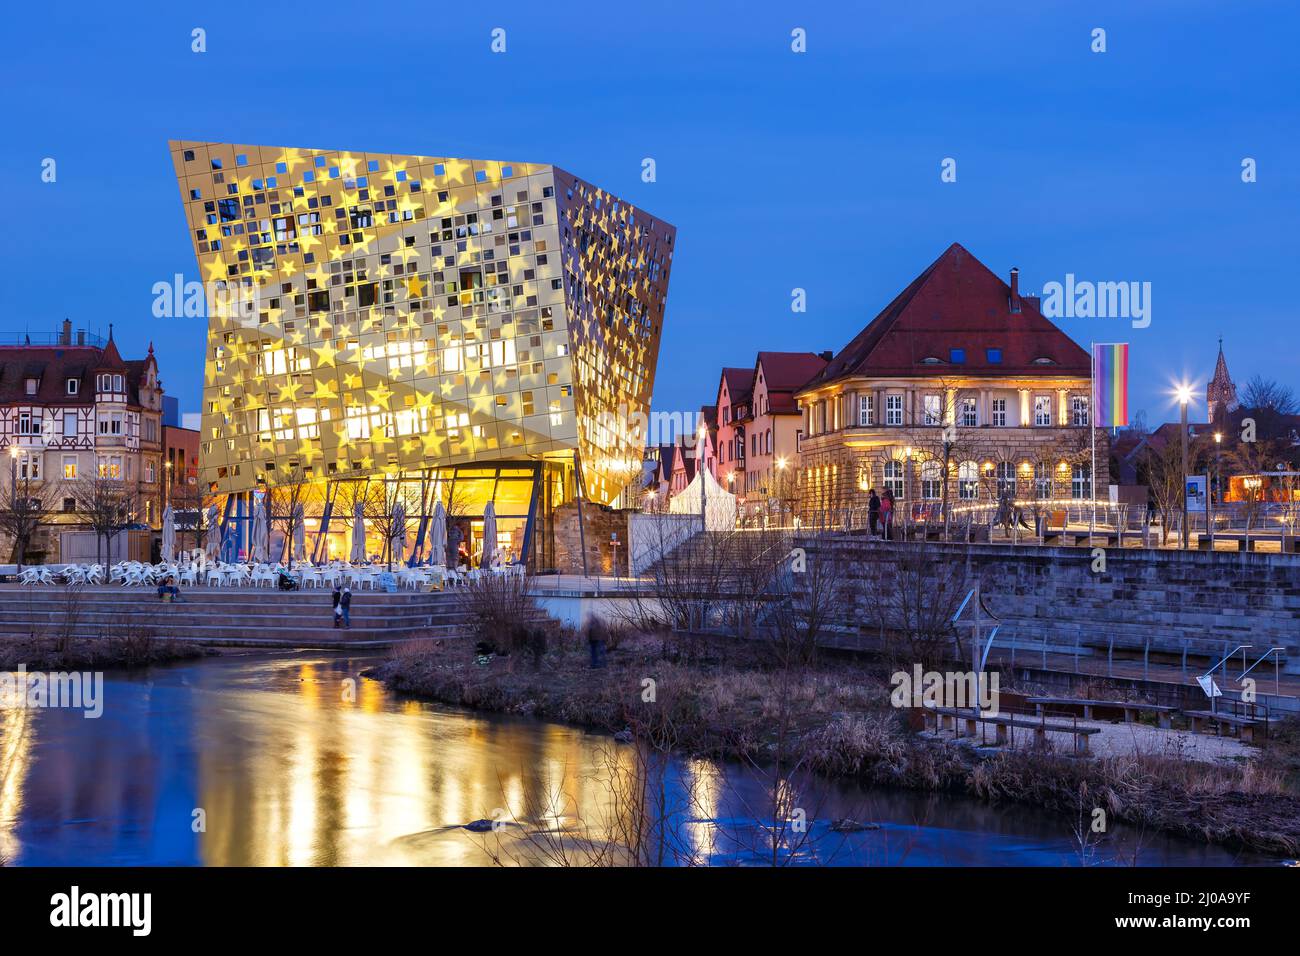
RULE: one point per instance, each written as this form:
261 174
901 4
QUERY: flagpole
1092 430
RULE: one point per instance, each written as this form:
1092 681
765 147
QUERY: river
296 760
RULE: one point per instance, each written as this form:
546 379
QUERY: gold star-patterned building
385 315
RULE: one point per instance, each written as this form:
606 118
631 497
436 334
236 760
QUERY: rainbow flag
1110 384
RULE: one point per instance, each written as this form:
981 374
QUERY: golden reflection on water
312 778
16 735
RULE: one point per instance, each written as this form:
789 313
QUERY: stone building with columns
959 390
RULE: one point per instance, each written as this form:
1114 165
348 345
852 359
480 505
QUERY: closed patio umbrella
168 535
358 534
489 534
299 534
260 546
438 536
397 545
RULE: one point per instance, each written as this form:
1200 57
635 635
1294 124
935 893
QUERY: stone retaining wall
1206 599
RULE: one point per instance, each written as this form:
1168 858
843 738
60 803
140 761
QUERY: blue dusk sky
818 170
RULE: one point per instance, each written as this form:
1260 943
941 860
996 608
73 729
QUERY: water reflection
296 761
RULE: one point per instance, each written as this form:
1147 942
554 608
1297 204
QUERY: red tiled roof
788 371
957 303
54 365
740 383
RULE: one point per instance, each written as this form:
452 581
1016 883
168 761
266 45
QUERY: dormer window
1043 360
108 383
74 385
32 384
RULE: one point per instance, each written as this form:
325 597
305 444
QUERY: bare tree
379 506
808 589
24 507
1266 395
290 499
106 505
912 591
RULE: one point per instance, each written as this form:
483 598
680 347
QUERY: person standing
873 511
454 538
345 603
887 514
338 610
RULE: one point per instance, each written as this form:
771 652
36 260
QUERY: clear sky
818 170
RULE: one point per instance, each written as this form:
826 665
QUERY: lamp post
1218 441
1184 394
1214 489
167 484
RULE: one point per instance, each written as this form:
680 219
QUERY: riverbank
835 719
95 654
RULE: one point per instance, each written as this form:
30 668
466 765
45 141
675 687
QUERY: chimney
81 336
1015 289
827 355
65 337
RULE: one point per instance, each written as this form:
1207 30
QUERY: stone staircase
237 617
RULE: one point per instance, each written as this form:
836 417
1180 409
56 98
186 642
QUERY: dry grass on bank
839 723
131 649
721 708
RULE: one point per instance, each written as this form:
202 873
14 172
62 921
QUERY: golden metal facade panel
390 313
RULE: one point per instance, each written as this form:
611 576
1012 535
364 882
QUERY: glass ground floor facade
524 495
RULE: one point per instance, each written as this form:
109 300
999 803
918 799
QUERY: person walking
345 602
596 641
338 609
873 511
887 514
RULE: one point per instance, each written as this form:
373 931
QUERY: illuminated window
894 477
1042 410
931 479
866 410
1079 412
968 480
893 409
933 415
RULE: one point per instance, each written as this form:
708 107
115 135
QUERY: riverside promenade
250 617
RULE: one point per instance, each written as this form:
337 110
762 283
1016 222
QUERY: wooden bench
1245 725
1290 544
1163 713
947 717
1053 526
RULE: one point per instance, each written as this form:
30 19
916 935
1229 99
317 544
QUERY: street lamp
1184 395
1218 441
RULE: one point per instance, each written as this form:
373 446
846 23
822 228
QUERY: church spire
1220 394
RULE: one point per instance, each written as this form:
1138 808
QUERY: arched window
1042 480
968 480
931 479
894 477
1006 472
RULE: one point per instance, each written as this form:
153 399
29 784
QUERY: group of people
880 513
